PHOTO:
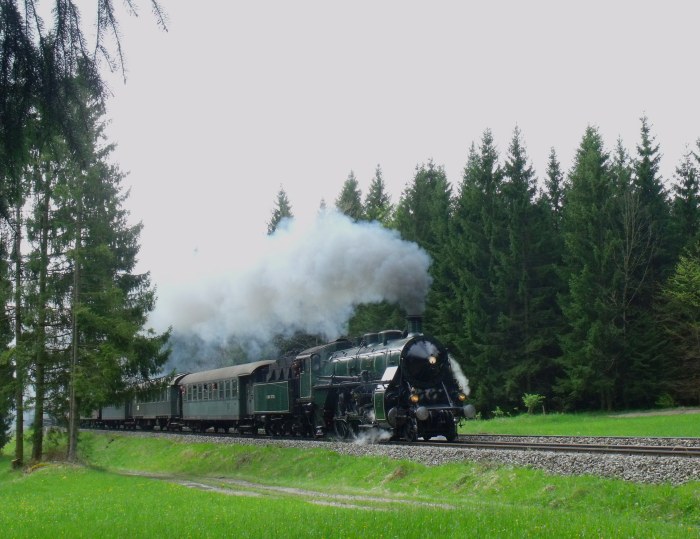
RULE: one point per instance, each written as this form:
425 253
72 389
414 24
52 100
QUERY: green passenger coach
221 398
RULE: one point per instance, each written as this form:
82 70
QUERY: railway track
657 450
657 447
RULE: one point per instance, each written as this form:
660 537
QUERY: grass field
136 487
673 423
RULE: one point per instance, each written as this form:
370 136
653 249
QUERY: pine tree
7 385
377 205
39 63
283 210
44 267
590 346
44 72
685 213
681 310
103 303
477 241
523 284
649 258
633 257
349 202
554 187
378 316
422 216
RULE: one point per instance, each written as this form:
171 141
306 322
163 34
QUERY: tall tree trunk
73 416
19 367
40 385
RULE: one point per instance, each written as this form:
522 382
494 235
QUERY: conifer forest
580 285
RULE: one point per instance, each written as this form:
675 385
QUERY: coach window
234 387
199 392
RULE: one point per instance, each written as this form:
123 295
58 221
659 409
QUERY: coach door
250 396
310 369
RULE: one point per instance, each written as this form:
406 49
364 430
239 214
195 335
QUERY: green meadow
152 487
665 423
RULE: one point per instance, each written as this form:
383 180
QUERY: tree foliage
551 286
282 210
681 317
349 201
377 206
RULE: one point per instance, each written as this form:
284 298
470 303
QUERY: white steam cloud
309 277
460 377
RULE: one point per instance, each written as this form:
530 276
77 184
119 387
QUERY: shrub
532 401
665 401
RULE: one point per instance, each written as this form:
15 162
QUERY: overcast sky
240 98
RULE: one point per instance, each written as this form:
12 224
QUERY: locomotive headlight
414 398
462 397
432 360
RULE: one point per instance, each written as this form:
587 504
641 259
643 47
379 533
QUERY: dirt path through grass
237 487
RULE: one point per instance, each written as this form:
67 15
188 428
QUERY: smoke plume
309 278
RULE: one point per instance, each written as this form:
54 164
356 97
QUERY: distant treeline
583 287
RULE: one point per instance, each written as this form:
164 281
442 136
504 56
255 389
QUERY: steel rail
604 448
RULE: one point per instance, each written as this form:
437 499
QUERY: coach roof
225 373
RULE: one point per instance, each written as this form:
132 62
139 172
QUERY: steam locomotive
398 382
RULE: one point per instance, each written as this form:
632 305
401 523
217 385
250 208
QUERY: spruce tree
681 318
45 69
349 202
422 216
523 285
554 187
477 241
378 316
39 63
282 210
685 212
7 385
377 205
632 255
45 262
590 345
649 247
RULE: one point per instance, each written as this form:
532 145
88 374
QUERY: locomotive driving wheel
409 431
451 435
344 430
341 428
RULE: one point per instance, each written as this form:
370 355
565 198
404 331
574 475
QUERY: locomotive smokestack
414 323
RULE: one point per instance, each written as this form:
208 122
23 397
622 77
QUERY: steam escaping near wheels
309 278
459 375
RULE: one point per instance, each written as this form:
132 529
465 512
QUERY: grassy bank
674 423
197 490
